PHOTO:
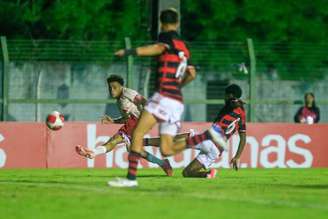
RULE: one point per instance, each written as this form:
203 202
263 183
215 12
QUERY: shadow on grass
302 186
318 186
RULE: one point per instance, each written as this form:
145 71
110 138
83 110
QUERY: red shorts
127 129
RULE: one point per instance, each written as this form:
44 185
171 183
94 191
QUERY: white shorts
168 110
208 153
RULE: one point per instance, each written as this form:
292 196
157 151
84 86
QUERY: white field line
106 189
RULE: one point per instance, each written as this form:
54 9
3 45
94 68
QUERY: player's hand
106 120
235 163
120 53
191 71
303 120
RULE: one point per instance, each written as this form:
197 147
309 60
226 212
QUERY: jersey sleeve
130 94
242 121
166 39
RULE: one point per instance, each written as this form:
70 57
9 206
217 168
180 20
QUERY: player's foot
167 168
122 182
212 174
217 136
84 152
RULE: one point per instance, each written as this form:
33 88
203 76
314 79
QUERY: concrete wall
82 81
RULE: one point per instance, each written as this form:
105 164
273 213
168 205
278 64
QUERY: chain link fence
70 76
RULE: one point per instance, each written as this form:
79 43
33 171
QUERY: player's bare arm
235 160
148 50
190 75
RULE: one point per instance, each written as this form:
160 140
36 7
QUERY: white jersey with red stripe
127 103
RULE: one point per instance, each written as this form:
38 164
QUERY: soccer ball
55 120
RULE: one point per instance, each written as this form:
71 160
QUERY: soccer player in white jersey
130 103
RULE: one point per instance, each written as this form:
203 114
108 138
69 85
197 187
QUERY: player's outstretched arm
235 160
189 76
148 50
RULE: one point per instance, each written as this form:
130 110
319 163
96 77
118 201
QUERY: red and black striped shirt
169 61
231 120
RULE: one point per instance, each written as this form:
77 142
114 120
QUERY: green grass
249 193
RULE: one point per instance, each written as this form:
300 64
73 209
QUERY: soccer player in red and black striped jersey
231 119
166 105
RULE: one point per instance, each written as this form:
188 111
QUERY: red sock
133 164
196 139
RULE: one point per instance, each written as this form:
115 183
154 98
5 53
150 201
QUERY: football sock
133 165
146 142
151 158
196 139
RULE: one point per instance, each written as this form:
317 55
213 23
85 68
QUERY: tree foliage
296 31
76 19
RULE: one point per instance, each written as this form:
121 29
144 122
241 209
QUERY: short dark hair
115 78
234 89
169 16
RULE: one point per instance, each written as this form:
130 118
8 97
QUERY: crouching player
130 103
230 119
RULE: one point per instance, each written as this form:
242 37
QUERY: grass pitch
248 193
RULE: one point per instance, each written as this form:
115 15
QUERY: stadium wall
78 81
274 145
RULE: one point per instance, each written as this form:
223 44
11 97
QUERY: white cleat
218 137
122 182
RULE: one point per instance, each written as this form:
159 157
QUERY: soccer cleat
167 168
218 137
122 182
84 152
212 174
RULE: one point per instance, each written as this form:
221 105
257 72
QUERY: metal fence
69 76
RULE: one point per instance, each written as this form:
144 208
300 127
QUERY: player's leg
155 142
200 167
195 169
169 145
113 142
163 163
145 124
195 141
105 148
214 134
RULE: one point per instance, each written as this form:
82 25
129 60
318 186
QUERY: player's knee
185 173
165 151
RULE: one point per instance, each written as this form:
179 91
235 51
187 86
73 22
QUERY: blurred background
56 55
